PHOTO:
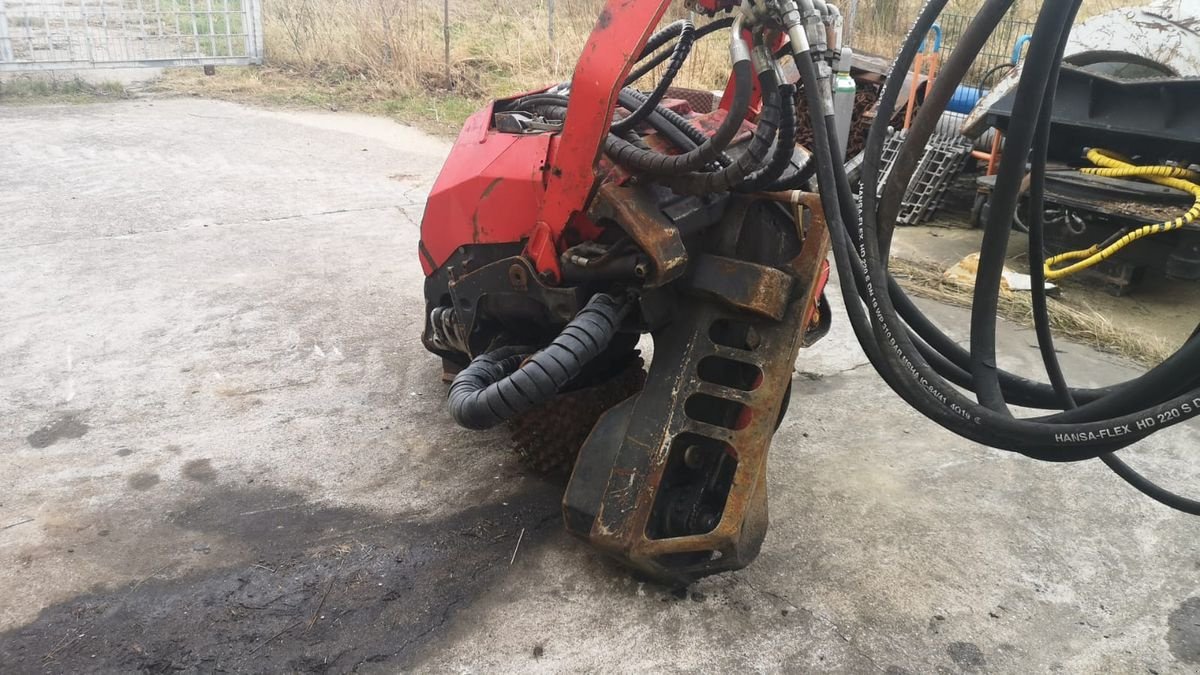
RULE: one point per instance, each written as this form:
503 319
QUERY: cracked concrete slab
225 448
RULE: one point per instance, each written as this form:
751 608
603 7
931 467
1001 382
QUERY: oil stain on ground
200 470
1183 631
318 589
966 655
67 426
142 481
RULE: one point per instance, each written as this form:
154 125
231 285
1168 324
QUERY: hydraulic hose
1114 167
683 47
662 36
755 154
647 65
913 356
631 99
784 149
643 161
885 340
907 371
501 385
675 127
1041 316
973 39
670 124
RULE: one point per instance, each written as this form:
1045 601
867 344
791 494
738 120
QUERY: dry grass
389 56
40 90
1079 324
403 42
508 46
882 24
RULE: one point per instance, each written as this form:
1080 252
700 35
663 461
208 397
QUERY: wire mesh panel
995 61
72 34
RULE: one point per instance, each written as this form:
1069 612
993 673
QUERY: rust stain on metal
645 224
746 286
491 186
621 524
476 227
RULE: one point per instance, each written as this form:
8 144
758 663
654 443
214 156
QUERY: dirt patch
320 589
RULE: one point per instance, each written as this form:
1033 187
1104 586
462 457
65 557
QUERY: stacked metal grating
944 158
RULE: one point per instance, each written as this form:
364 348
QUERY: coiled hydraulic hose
647 161
914 357
670 124
1115 417
1116 167
629 99
752 159
648 64
687 34
500 385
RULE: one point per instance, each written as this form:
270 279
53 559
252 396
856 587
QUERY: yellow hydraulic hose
1113 166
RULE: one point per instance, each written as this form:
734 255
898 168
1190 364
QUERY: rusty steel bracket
673 481
743 285
642 220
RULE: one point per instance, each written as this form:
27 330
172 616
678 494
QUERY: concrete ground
224 449
1159 307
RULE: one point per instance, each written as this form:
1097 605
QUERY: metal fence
995 61
77 34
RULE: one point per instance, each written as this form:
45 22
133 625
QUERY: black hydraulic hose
1020 390
1149 488
646 66
1041 314
754 155
532 100
848 272
925 123
629 98
642 161
1036 236
1169 379
501 385
632 99
895 357
683 47
662 36
554 106
784 148
673 133
1018 140
869 201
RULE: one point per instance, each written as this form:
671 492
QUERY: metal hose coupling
502 384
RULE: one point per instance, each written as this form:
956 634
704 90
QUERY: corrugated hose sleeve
500 385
